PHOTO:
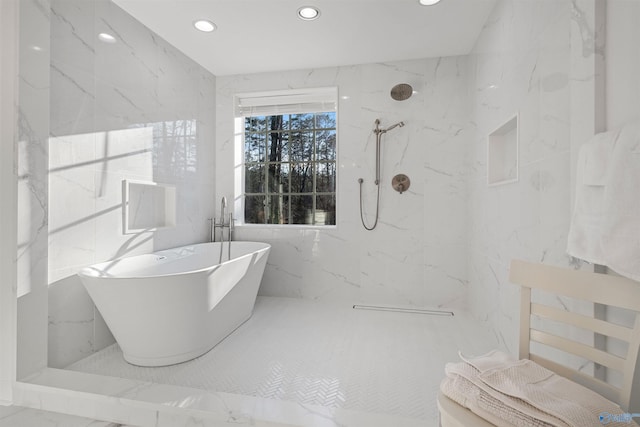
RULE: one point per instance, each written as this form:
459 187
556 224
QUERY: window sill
288 226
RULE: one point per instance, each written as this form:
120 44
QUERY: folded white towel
621 216
491 360
481 401
509 392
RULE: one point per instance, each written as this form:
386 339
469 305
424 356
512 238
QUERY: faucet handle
212 230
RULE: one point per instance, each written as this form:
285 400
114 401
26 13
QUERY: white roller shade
292 101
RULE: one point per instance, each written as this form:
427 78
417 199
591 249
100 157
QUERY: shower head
379 131
401 92
399 124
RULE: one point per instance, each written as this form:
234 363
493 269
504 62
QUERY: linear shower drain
404 310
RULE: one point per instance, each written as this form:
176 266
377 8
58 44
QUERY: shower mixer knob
401 183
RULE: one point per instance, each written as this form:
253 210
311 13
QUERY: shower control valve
400 183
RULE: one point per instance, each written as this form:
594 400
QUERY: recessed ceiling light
308 13
429 2
107 38
204 25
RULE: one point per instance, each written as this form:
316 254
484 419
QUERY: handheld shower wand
399 124
379 132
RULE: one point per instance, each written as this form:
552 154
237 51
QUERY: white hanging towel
605 225
585 231
621 219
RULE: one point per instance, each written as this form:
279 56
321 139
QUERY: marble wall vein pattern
33 208
415 257
133 109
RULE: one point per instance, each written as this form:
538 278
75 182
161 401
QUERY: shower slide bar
404 310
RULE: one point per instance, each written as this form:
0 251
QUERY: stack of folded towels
509 392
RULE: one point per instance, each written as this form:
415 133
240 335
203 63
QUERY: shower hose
360 181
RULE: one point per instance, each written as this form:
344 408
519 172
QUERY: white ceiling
266 35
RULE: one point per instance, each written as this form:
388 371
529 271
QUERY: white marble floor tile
327 355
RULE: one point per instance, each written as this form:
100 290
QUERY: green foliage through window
290 169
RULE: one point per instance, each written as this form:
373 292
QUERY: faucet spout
223 207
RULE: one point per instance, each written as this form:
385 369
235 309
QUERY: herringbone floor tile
328 355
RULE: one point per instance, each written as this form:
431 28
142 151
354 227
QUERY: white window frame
269 103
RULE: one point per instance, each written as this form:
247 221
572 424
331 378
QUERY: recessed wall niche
147 206
502 153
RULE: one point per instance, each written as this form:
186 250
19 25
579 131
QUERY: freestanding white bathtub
174 305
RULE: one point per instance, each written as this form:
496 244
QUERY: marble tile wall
540 60
622 106
520 65
9 21
32 207
623 63
135 108
416 255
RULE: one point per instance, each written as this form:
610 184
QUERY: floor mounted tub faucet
222 224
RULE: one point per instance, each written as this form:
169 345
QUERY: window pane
301 146
326 210
286 120
278 146
275 123
254 147
302 121
254 179
255 124
286 206
290 169
278 209
286 155
325 177
302 209
326 120
278 178
326 145
301 178
285 175
254 209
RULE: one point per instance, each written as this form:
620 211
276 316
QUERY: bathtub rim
89 272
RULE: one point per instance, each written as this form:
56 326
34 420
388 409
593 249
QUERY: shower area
410 259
